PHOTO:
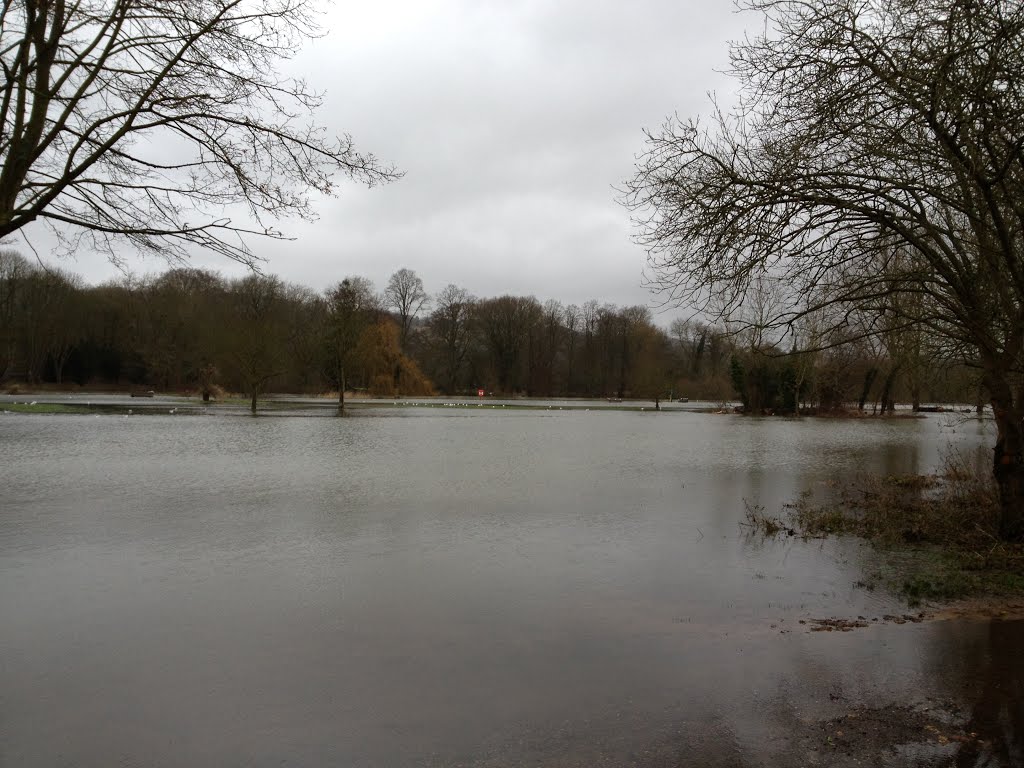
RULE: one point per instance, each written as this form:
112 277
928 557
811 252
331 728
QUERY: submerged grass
938 533
759 521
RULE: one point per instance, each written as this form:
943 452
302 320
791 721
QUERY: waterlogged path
467 586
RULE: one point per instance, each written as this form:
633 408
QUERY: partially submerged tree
160 121
352 307
865 130
259 349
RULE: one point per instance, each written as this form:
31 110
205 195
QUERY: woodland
189 330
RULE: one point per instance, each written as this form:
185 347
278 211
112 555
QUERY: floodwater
430 587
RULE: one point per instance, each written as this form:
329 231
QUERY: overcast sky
513 120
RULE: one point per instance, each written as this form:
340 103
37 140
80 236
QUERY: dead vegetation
957 508
939 532
759 521
835 624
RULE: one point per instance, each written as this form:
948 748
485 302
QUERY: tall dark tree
179 324
14 269
504 324
404 294
352 307
449 327
259 347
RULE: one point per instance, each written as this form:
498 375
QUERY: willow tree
166 123
864 131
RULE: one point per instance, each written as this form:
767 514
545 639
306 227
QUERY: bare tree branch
161 122
874 164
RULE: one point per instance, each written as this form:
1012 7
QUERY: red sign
479 393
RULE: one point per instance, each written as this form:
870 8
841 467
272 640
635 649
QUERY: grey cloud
513 122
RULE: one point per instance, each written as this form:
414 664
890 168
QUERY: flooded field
446 587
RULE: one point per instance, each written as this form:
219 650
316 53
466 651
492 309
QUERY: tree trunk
869 379
341 391
252 405
887 401
1008 459
60 360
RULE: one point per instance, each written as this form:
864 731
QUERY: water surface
425 587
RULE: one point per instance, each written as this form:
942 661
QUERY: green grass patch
44 408
932 574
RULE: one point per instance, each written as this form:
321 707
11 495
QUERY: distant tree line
193 330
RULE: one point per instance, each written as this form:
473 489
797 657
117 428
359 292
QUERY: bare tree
404 294
259 348
352 306
159 121
65 322
551 333
449 328
865 129
14 270
572 331
505 323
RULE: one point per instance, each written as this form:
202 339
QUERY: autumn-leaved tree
387 370
165 123
865 131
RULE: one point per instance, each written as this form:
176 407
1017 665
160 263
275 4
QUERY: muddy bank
978 608
928 734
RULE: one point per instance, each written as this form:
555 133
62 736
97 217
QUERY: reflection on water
997 713
452 588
